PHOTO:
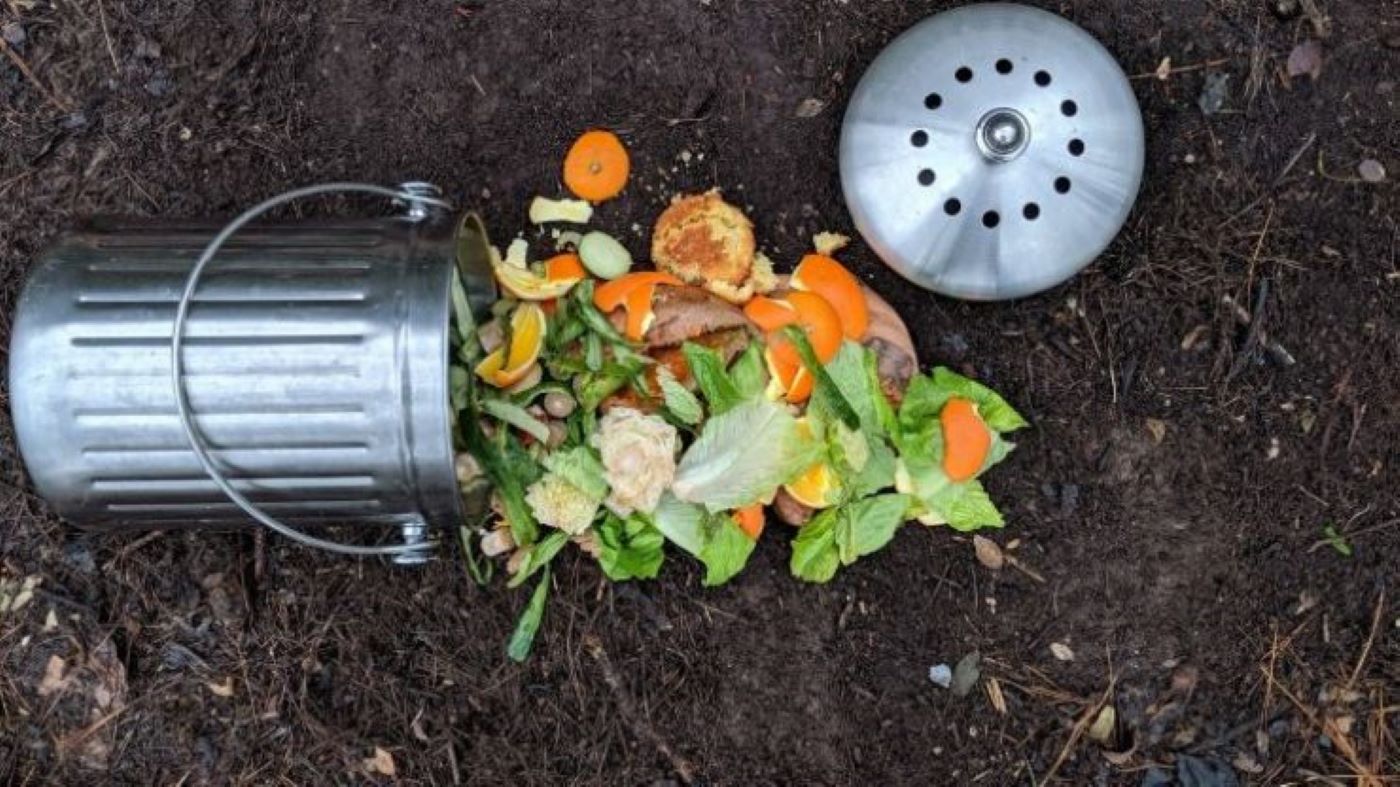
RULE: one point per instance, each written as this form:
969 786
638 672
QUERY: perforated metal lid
991 151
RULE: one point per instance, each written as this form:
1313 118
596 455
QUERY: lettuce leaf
523 639
581 468
631 548
679 400
840 536
962 506
539 556
927 394
748 372
742 456
707 366
714 539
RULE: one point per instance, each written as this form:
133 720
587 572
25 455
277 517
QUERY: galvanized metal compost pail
301 379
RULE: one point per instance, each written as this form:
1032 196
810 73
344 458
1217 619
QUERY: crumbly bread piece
703 240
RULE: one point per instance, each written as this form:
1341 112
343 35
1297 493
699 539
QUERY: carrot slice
750 520
597 166
966 439
613 294
564 266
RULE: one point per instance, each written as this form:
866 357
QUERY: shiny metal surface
316 369
991 151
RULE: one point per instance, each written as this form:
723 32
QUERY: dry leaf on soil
1061 651
994 694
1102 728
810 108
53 676
224 689
1158 429
381 763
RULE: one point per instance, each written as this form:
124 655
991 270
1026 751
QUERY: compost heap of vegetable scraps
622 409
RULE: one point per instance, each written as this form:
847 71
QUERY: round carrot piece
597 166
966 439
750 520
562 267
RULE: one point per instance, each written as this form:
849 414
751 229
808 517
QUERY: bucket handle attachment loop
420 200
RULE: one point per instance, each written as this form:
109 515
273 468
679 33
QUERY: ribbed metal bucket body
316 367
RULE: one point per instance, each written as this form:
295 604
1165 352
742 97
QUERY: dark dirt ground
1181 571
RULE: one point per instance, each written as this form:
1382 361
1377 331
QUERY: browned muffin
703 240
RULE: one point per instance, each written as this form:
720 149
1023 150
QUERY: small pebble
1371 171
941 675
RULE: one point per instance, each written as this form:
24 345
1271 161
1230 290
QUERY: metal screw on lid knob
991 151
1002 134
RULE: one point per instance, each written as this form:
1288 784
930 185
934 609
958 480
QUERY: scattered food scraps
619 409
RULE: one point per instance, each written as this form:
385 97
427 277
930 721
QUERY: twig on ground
1080 727
1277 181
1370 640
1363 775
62 104
641 727
1154 74
1256 330
102 21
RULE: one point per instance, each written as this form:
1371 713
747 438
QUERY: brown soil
1185 569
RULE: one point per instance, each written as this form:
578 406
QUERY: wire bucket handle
419 200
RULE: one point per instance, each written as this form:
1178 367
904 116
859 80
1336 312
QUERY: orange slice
597 166
750 520
508 365
769 314
613 294
640 315
966 439
819 486
826 277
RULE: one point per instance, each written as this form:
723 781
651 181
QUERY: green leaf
631 548
962 506
878 472
743 455
714 539
926 395
479 568
814 554
679 400
580 467
594 320
848 374
840 536
726 550
592 352
884 413
459 382
462 312
682 523
748 372
707 366
508 482
538 556
1337 540
594 387
866 526
825 392
523 639
516 416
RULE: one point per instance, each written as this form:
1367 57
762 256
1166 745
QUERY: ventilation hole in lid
919 138
925 177
952 207
1004 66
990 219
1069 108
963 74
1031 211
1062 184
1042 78
1076 147
933 101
